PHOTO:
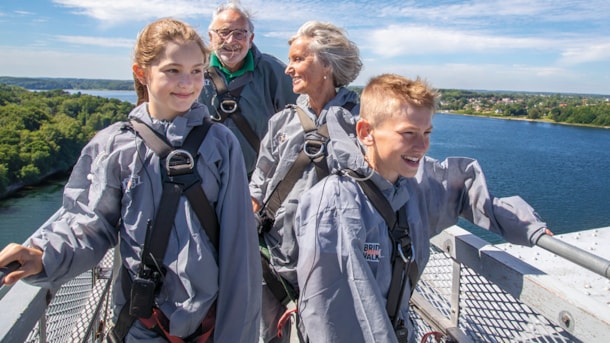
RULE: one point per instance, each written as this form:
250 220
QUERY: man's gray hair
233 6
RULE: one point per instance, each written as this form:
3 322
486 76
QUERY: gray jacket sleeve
239 279
86 226
457 187
265 168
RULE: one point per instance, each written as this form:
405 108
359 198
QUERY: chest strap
228 105
313 151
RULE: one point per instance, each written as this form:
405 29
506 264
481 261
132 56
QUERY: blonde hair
386 93
152 41
331 45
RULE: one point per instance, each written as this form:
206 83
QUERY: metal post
456 277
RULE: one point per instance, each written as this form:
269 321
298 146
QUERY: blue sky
522 45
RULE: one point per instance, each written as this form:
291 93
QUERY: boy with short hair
349 254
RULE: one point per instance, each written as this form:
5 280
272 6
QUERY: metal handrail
575 254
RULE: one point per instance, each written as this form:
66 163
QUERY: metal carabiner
402 255
217 117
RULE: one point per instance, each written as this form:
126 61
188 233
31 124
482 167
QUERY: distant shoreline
524 119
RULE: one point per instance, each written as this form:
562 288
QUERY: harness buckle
314 149
228 106
179 162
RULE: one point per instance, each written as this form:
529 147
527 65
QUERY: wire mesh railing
471 291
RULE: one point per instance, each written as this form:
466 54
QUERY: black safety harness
313 151
180 177
404 267
228 104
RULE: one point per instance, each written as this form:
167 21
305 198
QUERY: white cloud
23 13
584 53
97 41
396 40
480 11
493 77
112 11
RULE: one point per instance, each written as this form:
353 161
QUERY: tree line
66 83
559 108
42 133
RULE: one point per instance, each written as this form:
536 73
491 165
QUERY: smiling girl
208 292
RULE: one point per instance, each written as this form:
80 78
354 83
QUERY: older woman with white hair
296 153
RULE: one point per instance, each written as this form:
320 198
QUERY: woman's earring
324 77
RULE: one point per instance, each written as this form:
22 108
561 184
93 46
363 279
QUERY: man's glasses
238 34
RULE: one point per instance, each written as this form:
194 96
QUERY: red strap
283 320
159 320
438 336
208 324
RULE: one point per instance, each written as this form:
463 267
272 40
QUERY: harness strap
160 323
152 139
282 289
228 107
279 287
404 267
284 319
283 188
124 320
204 211
155 248
173 187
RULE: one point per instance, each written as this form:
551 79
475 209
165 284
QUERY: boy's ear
363 130
139 73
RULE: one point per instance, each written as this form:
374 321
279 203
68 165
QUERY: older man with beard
243 87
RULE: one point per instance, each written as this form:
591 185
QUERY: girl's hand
30 260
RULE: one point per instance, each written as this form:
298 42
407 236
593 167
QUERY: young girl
114 194
347 249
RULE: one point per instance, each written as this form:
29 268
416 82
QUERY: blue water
23 213
562 171
121 95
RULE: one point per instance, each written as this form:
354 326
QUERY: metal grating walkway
474 291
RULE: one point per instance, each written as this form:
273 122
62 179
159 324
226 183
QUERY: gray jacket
116 187
344 262
267 91
279 150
